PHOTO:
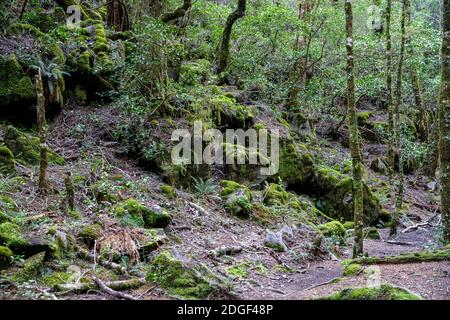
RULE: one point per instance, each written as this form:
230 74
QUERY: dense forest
225 149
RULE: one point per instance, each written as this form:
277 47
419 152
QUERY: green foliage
204 187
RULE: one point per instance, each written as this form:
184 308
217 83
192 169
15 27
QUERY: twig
103 287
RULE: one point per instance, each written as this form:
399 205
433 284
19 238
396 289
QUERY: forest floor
201 225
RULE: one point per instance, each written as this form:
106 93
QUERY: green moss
384 292
57 278
168 191
15 86
274 194
230 187
11 236
5 257
89 233
6 161
33 266
100 42
84 62
364 116
178 279
26 148
425 256
296 165
238 270
195 72
132 212
349 225
239 204
332 228
372 233
352 269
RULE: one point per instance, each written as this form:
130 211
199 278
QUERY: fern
204 187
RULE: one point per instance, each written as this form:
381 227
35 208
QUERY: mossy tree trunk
42 124
223 56
390 155
398 133
179 12
421 122
358 166
117 16
70 191
444 122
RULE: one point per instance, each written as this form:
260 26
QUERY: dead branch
83 287
103 287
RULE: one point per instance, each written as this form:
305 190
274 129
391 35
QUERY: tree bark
117 17
41 123
223 55
358 166
398 133
390 155
444 122
179 12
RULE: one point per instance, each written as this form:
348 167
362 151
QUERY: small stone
275 241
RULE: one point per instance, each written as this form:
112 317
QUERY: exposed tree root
110 287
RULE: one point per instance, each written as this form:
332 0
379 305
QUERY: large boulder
16 87
26 148
334 190
133 212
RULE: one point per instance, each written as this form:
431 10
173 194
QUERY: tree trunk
444 122
398 133
358 166
179 12
70 191
390 155
117 17
421 119
41 123
223 55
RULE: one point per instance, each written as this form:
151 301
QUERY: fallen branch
400 243
438 255
225 251
106 289
83 287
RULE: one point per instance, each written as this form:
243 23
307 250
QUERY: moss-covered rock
229 187
5 257
384 292
33 266
133 212
352 269
239 204
332 228
11 236
178 279
349 225
16 88
6 161
89 233
275 194
296 164
168 191
26 148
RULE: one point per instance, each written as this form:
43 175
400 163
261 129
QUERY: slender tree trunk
358 166
70 191
398 133
41 122
421 119
421 122
223 55
444 122
390 155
